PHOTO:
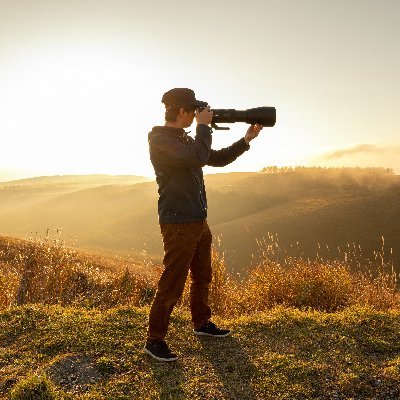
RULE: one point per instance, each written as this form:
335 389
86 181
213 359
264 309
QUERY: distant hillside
25 192
75 181
308 207
333 207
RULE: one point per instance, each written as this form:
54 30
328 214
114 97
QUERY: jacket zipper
196 178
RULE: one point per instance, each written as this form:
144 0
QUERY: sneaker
210 329
159 351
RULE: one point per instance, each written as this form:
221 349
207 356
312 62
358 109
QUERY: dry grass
283 353
44 271
322 284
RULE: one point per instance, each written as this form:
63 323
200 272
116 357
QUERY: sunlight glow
79 110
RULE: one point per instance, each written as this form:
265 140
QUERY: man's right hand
204 117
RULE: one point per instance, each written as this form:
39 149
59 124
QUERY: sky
81 81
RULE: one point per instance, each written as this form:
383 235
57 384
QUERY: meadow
72 326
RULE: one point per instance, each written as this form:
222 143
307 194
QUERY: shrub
303 284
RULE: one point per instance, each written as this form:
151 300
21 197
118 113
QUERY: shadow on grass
170 379
232 365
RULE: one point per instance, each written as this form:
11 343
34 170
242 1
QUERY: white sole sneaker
158 358
210 334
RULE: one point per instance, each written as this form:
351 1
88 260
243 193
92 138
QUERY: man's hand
204 117
252 132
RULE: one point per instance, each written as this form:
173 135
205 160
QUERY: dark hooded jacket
178 160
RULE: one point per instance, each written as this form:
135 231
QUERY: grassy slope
281 354
277 354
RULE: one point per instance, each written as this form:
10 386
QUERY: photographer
182 208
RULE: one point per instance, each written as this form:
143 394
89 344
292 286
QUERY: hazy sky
81 81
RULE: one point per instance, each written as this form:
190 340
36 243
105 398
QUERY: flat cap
182 97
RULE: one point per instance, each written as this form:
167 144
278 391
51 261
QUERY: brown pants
186 247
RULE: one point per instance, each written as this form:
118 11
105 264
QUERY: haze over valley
305 212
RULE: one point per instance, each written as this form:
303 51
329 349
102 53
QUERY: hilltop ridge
78 180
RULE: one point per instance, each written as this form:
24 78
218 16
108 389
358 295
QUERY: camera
265 116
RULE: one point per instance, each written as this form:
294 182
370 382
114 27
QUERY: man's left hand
252 132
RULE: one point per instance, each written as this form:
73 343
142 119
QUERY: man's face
187 118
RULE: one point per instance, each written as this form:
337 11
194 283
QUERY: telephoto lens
265 116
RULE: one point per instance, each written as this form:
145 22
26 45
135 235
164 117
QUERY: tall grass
321 284
46 271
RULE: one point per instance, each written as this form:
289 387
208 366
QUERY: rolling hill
25 192
310 211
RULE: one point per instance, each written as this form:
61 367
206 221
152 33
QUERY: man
182 208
